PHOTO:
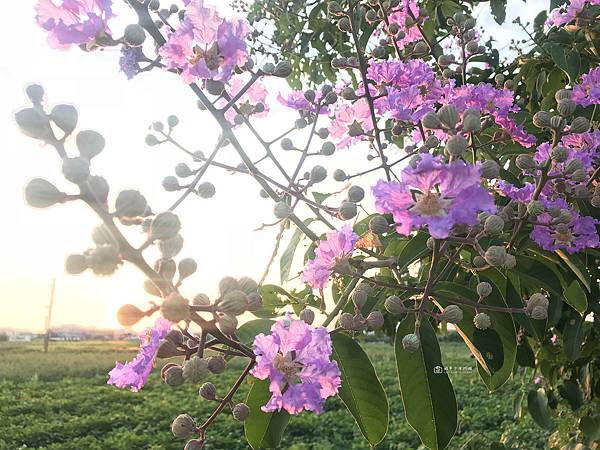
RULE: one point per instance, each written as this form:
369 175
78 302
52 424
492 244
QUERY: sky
219 232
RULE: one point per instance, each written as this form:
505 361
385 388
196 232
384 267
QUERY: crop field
60 400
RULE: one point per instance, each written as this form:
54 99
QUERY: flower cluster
435 195
351 122
296 358
135 373
336 248
564 15
587 92
206 46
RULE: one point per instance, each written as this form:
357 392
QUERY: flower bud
183 426
431 121
151 140
34 123
255 302
566 107
35 93
129 315
175 336
563 94
471 122
394 305
479 261
348 93
328 148
452 314
411 343
557 123
482 321
40 193
495 255
172 121
456 146
335 9
559 154
448 115
65 117
75 264
282 210
90 143
227 324
493 225
134 35
208 391
233 303
283 69
472 47
130 203
445 60
76 170
539 313
595 201
318 174
170 183
173 376
421 48
307 315
378 224
344 24
216 87
182 170
535 208
484 289
541 119
186 267
346 321
509 84
347 210
580 125
309 95
537 301
573 165
194 444
206 189
432 141
103 260
359 297
175 308
356 194
151 288
525 162
195 369
339 175
164 226
240 412
167 349
375 320
579 176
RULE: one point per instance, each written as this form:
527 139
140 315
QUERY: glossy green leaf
250 329
575 296
573 336
578 268
537 404
427 393
498 10
263 430
287 258
361 391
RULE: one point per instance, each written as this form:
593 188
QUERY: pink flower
205 46
351 120
296 358
248 101
338 246
587 92
74 21
399 17
135 373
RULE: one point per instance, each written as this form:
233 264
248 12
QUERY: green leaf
568 60
571 392
263 430
408 251
537 404
575 296
573 336
578 268
498 10
287 258
427 393
591 427
249 330
361 391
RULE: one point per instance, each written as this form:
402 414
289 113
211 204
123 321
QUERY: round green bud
445 60
175 308
580 125
452 314
509 84
535 208
76 170
472 47
346 321
172 121
130 203
215 87
208 391
456 146
566 107
318 174
421 48
579 175
183 426
65 117
479 261
247 285
170 183
573 165
206 189
40 193
240 412
356 194
194 444
103 260
282 210
35 93
307 315
539 313
541 119
201 300
432 141
499 79
525 162
595 201
182 170
348 93
482 321
375 320
493 225
164 226
227 324
484 289
233 303
411 343
538 303
173 376
394 305
175 336
359 297
378 224
347 210
448 115
469 23
255 302
90 143
166 267
557 123
34 123
335 9
495 255
134 35
151 288
75 264
563 94
559 154
195 369
283 69
328 148
216 364
471 122
431 121
186 267
228 284
167 349
171 247
339 175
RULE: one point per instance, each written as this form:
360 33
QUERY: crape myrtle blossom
247 103
296 100
129 61
400 16
563 15
519 194
335 248
435 195
544 151
134 374
71 22
296 358
587 92
350 122
576 235
206 46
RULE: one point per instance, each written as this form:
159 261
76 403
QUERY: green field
60 400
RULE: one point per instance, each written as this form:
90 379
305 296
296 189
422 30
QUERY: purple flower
74 21
351 121
399 17
205 46
135 373
129 61
587 92
522 194
561 16
434 194
296 100
296 358
338 246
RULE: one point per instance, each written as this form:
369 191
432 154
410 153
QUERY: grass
60 400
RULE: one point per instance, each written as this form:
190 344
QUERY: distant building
19 336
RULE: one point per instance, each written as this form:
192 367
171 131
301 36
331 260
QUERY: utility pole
49 316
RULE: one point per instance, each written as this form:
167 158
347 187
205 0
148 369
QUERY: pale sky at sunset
218 232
